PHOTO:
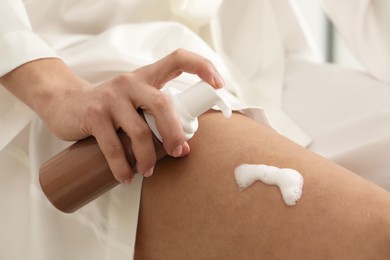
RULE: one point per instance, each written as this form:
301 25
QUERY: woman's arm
73 108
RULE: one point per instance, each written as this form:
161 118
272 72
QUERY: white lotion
289 181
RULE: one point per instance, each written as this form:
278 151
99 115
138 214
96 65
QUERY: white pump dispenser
190 104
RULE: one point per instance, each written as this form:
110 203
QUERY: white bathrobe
264 55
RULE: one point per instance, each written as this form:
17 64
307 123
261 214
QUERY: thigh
191 207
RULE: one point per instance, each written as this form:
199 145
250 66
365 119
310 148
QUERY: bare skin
192 209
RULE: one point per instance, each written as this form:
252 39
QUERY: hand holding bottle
74 109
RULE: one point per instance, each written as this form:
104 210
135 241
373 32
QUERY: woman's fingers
160 106
112 149
171 66
167 122
140 134
120 99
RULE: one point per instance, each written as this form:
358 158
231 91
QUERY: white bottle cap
190 104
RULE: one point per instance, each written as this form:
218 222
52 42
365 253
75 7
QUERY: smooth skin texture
191 208
74 109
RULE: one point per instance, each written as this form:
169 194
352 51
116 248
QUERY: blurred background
333 48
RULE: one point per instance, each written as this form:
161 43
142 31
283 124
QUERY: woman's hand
74 109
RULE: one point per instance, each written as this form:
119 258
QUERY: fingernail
186 149
177 151
127 180
218 80
149 172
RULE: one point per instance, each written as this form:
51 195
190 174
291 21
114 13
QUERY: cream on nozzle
190 104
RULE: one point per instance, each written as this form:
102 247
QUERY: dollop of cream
289 181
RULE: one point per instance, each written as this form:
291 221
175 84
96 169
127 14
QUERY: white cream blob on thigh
289 181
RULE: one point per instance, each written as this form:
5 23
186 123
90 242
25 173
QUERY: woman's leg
191 208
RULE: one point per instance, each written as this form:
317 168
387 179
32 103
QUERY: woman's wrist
42 83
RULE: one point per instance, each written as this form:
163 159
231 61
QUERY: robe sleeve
365 26
18 43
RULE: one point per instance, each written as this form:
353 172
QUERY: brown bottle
80 173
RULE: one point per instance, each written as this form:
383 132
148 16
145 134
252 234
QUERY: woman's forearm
42 83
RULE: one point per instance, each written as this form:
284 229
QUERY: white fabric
365 26
254 43
74 30
346 112
18 44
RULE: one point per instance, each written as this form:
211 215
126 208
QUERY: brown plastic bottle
80 173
